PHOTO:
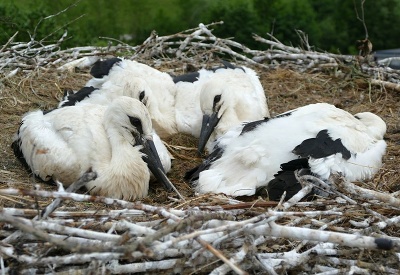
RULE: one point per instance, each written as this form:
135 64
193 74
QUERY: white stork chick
162 101
210 102
227 99
114 140
329 139
134 87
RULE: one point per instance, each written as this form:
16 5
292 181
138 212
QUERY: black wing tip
194 76
321 146
102 67
229 65
191 174
277 186
189 77
80 95
194 173
15 145
68 92
250 126
295 164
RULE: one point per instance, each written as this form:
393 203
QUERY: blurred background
331 25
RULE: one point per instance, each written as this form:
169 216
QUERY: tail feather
285 180
16 146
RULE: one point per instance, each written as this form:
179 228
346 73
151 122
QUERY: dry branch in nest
142 237
198 46
352 230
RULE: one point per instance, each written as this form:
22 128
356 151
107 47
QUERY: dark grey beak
207 127
153 161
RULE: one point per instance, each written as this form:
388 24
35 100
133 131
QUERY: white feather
66 142
161 102
242 99
132 87
187 104
251 159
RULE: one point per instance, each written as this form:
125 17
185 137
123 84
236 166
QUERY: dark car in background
390 58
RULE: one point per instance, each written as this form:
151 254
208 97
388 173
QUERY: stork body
114 140
331 140
133 87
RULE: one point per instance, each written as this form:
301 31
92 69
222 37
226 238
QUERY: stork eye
141 95
217 98
137 123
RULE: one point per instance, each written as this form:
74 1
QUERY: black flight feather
68 92
193 174
321 146
228 65
80 95
102 67
194 76
250 126
189 77
16 146
285 180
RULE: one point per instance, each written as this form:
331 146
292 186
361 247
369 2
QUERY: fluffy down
252 157
94 136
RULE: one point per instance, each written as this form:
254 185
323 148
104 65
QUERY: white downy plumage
219 100
162 90
188 112
112 140
249 156
133 87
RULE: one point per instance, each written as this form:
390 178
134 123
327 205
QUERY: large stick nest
45 229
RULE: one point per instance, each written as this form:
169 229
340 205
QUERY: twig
9 41
361 19
366 194
85 178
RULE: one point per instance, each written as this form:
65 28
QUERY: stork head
126 85
134 119
130 117
226 100
212 99
138 88
375 125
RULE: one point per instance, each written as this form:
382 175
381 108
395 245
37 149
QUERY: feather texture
346 144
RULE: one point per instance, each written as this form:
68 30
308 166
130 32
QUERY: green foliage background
331 25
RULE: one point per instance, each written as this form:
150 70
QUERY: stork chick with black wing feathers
210 102
328 139
114 140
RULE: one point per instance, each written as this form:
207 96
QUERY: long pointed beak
207 127
153 161
151 155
